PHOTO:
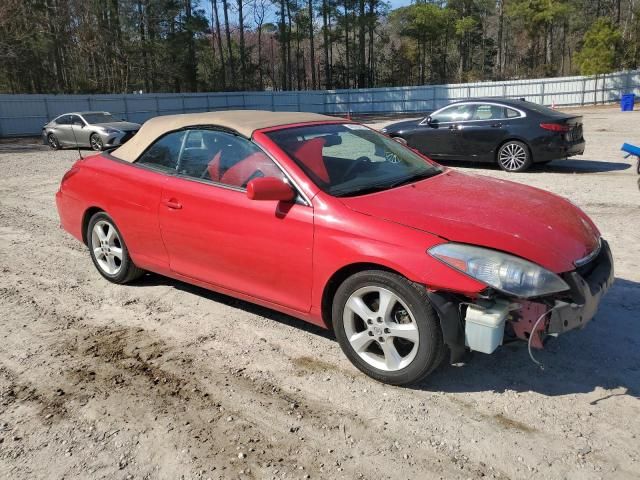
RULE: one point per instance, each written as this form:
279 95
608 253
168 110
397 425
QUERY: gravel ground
163 380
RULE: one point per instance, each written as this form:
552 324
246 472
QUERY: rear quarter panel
129 194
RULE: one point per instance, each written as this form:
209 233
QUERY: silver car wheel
512 156
107 247
380 328
96 143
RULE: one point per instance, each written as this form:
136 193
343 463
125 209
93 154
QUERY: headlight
111 131
507 273
383 130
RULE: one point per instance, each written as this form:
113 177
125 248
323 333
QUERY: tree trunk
362 77
243 60
325 38
143 45
283 44
289 30
499 39
312 48
191 65
232 67
346 44
214 9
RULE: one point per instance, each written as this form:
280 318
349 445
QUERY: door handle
172 203
496 125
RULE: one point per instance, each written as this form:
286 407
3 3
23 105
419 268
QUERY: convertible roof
245 122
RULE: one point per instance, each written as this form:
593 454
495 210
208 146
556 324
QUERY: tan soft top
245 122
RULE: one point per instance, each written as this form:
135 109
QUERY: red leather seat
309 153
256 164
214 167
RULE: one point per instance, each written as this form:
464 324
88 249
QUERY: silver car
97 130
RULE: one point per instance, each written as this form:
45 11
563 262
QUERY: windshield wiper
362 190
413 178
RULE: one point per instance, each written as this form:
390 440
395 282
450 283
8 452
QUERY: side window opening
165 152
489 112
511 113
224 158
212 155
455 113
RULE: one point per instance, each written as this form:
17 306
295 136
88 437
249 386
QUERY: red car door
215 234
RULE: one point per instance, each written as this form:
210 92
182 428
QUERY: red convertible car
334 223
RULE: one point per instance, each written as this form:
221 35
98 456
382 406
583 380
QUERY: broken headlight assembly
509 274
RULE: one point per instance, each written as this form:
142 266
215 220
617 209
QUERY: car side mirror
430 120
270 188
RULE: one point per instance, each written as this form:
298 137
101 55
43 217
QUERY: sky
233 16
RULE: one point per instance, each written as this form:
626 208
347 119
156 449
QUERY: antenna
77 144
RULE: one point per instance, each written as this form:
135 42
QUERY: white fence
26 114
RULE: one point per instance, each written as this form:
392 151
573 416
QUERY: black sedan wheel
514 156
53 142
96 142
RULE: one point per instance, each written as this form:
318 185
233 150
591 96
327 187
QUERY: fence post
584 87
542 93
46 109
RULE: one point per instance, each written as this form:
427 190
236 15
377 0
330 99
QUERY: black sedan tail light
556 127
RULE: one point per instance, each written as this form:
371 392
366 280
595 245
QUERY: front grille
127 136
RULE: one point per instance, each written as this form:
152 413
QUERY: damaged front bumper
588 284
529 320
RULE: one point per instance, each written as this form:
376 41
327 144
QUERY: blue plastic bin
627 101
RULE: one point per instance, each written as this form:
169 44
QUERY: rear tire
387 327
53 142
514 156
108 250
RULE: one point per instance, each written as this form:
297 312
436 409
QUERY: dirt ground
163 380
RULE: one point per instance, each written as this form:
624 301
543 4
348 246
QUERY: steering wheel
353 168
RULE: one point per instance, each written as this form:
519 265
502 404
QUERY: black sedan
513 133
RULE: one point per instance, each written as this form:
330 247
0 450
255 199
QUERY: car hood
525 221
399 126
124 126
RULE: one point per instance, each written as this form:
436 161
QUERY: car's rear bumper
588 285
558 150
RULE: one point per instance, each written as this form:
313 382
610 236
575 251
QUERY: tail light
556 127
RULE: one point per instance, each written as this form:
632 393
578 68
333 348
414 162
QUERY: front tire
108 250
387 327
514 156
96 142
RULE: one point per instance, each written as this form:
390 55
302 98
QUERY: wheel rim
96 144
380 328
107 247
53 143
513 156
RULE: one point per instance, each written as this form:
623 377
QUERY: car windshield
100 117
350 159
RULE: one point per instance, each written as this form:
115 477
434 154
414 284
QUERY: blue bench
632 150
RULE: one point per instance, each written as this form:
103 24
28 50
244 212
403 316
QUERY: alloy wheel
513 156
380 328
96 143
107 247
53 142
